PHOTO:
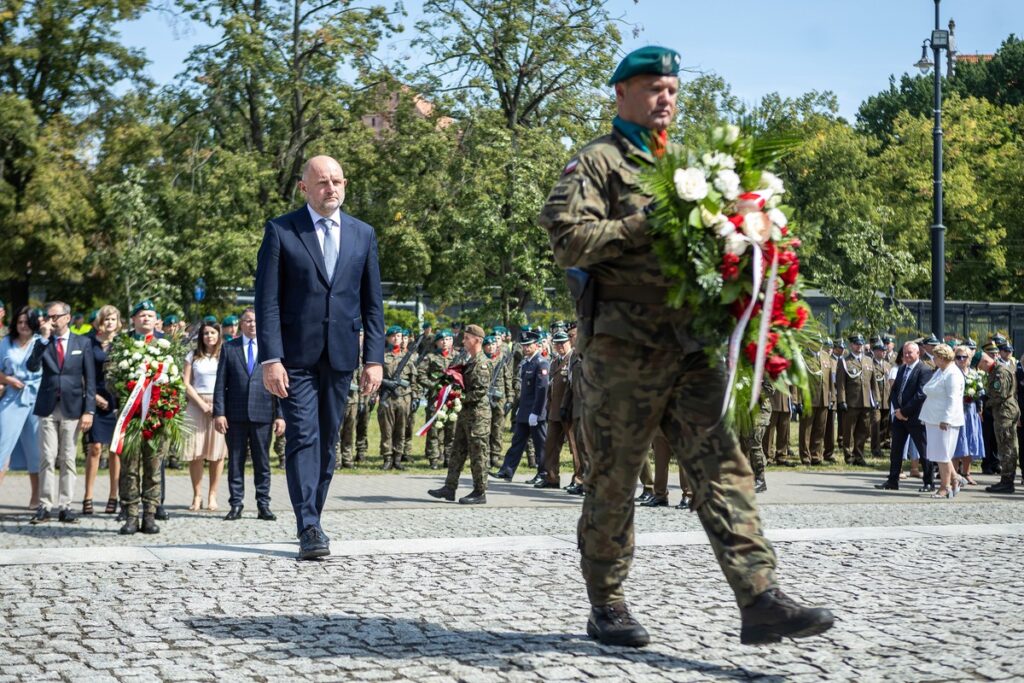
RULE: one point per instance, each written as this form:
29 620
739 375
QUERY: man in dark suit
65 405
906 400
245 412
531 423
317 282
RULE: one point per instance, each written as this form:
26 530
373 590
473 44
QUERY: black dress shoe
614 625
684 504
760 486
887 486
1004 486
263 512
655 502
312 544
775 615
574 489
131 526
67 516
149 524
500 475
536 479
444 493
927 488
474 498
41 517
643 497
545 484
161 513
234 513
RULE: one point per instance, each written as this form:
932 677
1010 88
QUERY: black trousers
523 434
256 436
902 430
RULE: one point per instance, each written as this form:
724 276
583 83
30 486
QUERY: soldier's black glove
798 408
841 407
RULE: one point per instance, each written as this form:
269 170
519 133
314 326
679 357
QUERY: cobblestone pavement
508 616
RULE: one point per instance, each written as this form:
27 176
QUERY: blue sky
791 46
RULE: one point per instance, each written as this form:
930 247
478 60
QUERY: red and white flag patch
570 167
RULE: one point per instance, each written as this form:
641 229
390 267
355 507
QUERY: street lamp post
940 40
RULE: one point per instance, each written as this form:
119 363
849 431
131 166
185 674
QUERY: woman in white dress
205 443
943 417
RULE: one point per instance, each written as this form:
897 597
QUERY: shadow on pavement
374 637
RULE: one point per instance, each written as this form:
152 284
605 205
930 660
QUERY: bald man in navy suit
317 284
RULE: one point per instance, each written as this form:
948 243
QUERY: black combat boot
444 493
131 526
149 524
397 462
614 625
1005 485
760 485
775 615
388 463
477 497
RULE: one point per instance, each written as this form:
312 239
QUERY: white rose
728 183
718 134
732 134
124 365
163 343
777 217
718 160
736 243
139 344
136 356
773 183
691 186
153 365
756 226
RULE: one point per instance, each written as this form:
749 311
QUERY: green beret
439 336
146 305
426 325
171 319
394 329
92 316
652 59
490 339
210 320
230 320
448 333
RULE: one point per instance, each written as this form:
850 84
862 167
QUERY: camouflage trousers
1005 427
472 432
407 435
752 441
629 391
496 450
391 416
140 479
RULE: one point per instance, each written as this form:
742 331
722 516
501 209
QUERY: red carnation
168 415
146 434
789 274
737 307
775 366
751 348
801 317
129 385
729 267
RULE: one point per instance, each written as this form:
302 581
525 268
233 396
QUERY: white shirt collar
336 216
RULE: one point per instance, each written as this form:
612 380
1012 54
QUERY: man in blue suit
245 411
907 398
317 283
532 415
65 405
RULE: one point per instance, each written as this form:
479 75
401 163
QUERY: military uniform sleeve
476 386
840 382
576 216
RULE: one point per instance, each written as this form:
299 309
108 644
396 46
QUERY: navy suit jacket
300 313
239 396
533 393
912 397
76 381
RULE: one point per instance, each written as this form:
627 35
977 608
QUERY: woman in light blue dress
19 428
970 445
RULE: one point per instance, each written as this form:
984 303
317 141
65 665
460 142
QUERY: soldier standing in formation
474 424
572 407
1001 392
776 436
354 424
813 423
429 368
854 381
500 392
643 370
395 400
880 416
836 427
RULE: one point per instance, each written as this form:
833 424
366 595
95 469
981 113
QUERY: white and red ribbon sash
442 398
736 338
138 400
767 309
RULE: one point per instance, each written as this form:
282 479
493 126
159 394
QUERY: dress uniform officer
813 423
572 409
835 429
880 416
474 423
855 380
643 370
558 429
928 345
776 436
531 427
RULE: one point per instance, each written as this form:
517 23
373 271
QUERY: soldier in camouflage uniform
393 408
753 437
429 369
501 390
1001 392
474 424
643 370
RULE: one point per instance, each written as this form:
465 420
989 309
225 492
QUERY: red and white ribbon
138 400
762 336
736 338
442 398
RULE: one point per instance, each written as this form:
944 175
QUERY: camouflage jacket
475 378
409 374
1001 392
595 221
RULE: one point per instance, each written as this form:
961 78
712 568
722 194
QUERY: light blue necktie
251 358
330 248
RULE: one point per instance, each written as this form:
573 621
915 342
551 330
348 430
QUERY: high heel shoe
941 493
197 503
211 505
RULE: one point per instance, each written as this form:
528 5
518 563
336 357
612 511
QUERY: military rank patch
544 371
570 167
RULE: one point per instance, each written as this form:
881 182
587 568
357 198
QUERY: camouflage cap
475 330
652 59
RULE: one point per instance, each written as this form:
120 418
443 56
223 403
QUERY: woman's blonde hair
963 351
105 312
944 352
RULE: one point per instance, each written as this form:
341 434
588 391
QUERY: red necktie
60 353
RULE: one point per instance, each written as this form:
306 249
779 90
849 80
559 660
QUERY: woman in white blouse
204 442
943 417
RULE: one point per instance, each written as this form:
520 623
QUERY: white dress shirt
335 225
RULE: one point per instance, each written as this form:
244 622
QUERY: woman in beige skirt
204 442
